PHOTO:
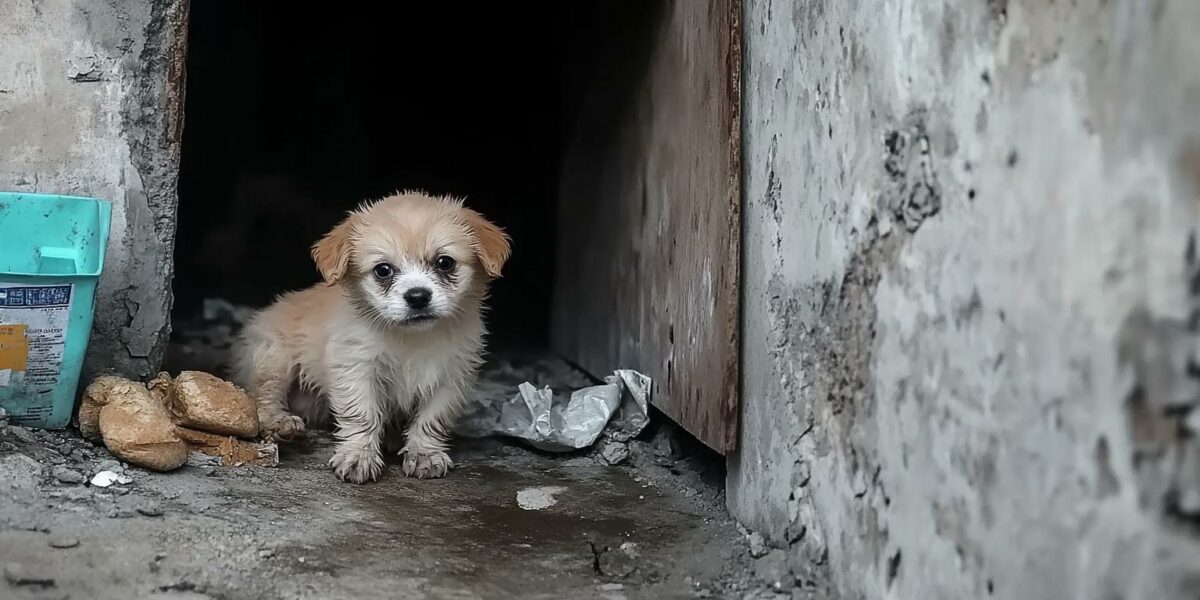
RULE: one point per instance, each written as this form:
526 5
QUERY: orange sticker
14 348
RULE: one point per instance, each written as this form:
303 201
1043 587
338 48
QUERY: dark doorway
296 115
600 134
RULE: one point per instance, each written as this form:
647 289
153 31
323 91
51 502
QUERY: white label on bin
45 312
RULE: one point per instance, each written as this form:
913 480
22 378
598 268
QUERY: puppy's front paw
356 465
283 428
426 465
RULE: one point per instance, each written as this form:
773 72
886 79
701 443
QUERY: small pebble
77 493
110 465
68 476
63 543
772 569
614 453
266 553
22 434
758 545
65 449
19 575
150 510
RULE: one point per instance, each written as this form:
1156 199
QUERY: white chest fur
405 367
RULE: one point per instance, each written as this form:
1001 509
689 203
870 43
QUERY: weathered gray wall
91 103
970 295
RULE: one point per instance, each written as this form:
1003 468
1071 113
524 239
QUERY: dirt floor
647 521
508 523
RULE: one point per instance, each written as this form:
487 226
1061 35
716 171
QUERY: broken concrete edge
784 567
132 320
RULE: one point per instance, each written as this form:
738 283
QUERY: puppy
395 331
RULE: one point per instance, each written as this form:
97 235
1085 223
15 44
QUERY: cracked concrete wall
972 297
91 104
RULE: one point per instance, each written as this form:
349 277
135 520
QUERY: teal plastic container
51 255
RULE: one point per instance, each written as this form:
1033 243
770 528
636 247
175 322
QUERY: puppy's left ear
332 252
491 244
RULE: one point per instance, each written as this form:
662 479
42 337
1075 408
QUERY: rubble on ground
63 504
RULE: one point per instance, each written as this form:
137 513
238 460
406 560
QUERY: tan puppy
396 330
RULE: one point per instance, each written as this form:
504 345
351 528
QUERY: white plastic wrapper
618 409
634 412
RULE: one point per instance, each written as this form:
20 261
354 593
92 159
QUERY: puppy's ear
491 244
332 252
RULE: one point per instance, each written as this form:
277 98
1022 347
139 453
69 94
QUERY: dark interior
296 115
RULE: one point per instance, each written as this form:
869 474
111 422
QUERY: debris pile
59 458
159 425
562 415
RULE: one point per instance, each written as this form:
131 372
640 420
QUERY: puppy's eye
383 270
444 264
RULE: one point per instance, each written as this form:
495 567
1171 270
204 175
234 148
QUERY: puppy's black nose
418 297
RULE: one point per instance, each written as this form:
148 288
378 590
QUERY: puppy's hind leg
275 423
269 377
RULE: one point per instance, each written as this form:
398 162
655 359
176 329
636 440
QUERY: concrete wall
91 103
971 287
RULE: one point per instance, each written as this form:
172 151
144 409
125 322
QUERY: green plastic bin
51 255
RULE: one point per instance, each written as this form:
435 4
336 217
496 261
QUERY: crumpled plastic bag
618 409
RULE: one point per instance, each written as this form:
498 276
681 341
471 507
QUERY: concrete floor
656 530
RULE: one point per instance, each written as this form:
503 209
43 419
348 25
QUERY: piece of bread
201 401
230 450
95 396
137 429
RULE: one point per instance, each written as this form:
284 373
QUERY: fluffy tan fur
392 333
